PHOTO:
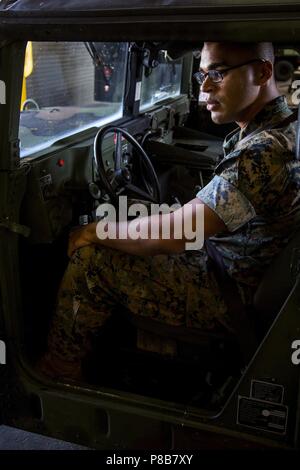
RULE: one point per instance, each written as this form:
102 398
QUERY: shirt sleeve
251 185
263 175
227 202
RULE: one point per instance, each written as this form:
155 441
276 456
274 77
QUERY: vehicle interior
65 186
94 120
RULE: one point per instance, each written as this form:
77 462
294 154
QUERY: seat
277 282
279 278
173 341
270 295
155 336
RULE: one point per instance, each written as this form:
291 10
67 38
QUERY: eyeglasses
216 76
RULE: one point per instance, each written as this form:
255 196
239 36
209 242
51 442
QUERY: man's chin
219 118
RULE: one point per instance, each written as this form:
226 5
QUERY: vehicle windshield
69 87
160 82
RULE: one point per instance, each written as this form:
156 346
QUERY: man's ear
265 72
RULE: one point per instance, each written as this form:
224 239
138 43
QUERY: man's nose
206 85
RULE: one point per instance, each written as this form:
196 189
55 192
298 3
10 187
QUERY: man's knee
83 253
92 258
78 266
84 256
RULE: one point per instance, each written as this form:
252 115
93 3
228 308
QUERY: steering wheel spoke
139 192
119 178
118 153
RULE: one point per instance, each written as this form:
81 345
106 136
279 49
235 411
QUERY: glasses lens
215 76
200 77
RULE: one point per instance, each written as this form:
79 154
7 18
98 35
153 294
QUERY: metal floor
16 439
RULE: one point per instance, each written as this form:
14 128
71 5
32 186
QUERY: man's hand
81 236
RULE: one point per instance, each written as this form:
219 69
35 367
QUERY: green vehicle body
103 416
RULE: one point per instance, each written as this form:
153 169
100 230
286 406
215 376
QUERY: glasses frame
204 75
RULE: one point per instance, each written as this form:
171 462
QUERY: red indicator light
60 162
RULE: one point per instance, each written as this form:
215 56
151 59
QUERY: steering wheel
119 178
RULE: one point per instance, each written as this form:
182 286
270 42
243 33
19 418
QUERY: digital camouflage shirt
255 191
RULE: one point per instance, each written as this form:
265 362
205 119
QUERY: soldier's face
230 99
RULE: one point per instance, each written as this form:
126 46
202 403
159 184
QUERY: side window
69 87
161 82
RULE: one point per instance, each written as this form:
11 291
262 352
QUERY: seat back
277 282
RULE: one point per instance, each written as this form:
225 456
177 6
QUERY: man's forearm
165 233
135 237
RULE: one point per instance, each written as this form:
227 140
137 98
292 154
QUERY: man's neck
255 108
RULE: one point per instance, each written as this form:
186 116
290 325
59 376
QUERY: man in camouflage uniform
250 210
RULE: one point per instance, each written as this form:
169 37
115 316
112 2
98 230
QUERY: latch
14 227
171 116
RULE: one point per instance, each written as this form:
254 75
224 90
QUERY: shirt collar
272 113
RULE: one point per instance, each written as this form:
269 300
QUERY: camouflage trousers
174 289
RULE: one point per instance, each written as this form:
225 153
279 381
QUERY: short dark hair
264 50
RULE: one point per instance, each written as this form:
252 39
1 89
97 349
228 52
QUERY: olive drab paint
2 92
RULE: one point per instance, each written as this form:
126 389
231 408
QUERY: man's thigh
174 289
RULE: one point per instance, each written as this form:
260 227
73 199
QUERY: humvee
286 64
87 90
